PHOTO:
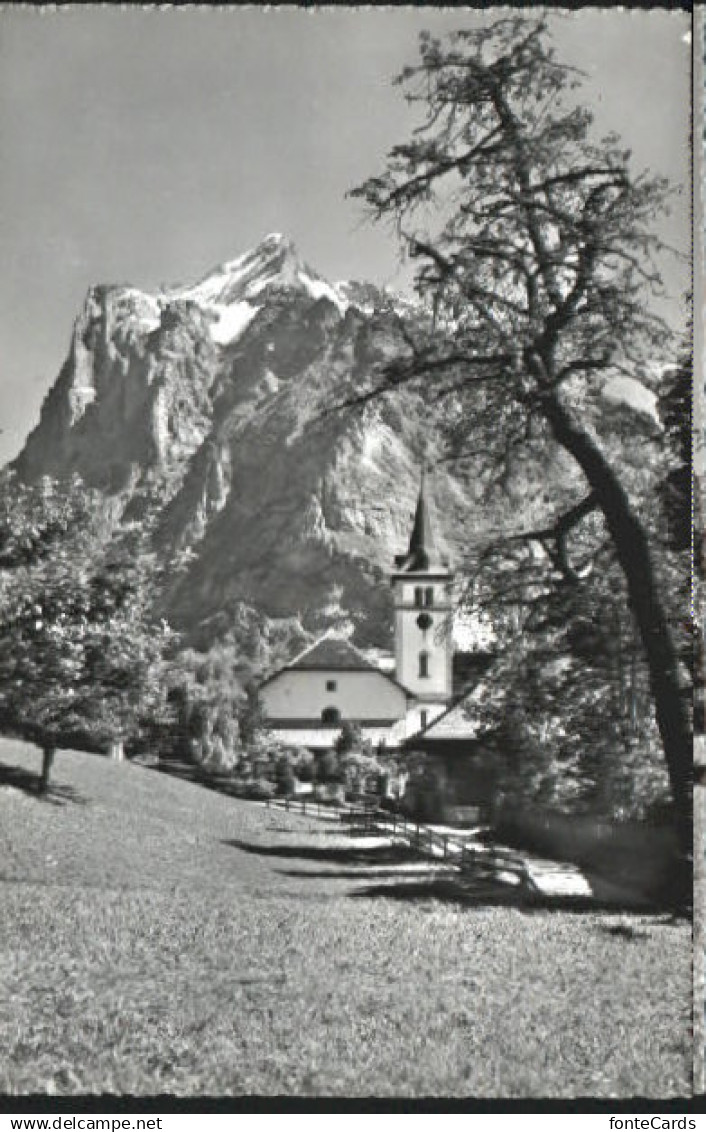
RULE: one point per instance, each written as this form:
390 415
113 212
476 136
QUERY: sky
146 146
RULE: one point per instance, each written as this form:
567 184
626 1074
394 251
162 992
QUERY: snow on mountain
231 321
319 289
235 291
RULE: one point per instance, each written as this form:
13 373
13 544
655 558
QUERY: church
331 681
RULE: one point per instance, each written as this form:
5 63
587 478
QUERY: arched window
423 664
330 715
429 595
419 596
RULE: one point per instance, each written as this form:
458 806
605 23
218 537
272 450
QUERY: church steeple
422 584
422 553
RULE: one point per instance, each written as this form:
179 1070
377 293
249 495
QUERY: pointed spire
423 552
421 543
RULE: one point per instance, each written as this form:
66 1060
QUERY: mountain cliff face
217 407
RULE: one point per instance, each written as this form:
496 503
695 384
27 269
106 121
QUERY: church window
423 718
419 596
330 715
429 595
330 685
424 664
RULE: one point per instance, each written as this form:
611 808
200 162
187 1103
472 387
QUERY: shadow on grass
371 855
451 891
355 874
432 887
28 783
658 920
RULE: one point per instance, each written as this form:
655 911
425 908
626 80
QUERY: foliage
285 777
328 768
260 790
81 650
361 772
680 493
208 693
538 264
35 518
567 705
425 789
252 720
349 739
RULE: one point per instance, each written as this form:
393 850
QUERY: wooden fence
481 865
301 805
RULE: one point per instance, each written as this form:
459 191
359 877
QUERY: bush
260 790
328 768
286 783
425 791
332 792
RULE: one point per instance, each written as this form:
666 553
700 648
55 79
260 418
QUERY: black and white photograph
349 661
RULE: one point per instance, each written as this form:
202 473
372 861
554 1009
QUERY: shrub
260 790
285 780
328 768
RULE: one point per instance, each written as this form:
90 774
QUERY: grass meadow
158 937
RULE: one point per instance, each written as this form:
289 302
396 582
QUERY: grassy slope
141 951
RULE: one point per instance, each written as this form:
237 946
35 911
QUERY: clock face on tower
425 621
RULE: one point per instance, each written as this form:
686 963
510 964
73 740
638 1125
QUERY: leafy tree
252 719
328 768
360 770
285 777
207 690
34 518
349 739
566 704
426 787
80 648
536 251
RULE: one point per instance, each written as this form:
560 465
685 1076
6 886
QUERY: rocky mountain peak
235 291
208 406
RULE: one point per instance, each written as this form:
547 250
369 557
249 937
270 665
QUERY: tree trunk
117 750
48 752
631 544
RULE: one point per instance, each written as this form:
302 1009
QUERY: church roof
335 654
457 722
423 553
332 652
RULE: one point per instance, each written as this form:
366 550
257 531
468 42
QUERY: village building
307 701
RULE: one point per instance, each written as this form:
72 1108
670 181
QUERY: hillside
161 938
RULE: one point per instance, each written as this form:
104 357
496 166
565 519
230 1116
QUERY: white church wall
303 694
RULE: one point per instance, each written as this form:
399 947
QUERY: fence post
446 846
